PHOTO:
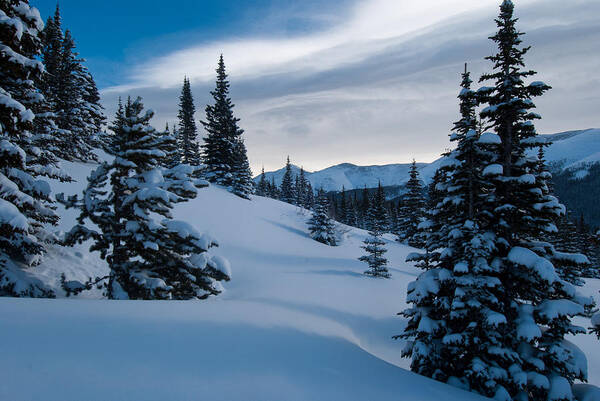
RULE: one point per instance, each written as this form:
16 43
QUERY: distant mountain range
572 150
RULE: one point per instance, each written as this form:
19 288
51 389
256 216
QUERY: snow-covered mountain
571 149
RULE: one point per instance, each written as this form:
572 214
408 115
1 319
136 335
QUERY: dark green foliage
320 225
224 151
71 93
412 210
187 131
374 244
286 191
262 189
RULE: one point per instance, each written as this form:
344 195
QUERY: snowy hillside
571 149
298 321
574 149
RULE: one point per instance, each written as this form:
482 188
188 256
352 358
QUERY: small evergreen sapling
320 225
374 245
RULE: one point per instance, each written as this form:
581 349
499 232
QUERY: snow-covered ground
298 321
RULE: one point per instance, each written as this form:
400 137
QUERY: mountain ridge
575 150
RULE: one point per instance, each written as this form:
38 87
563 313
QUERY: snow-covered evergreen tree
412 210
458 286
71 93
310 196
187 129
364 207
351 212
320 225
148 257
286 191
535 306
374 245
342 216
224 151
301 189
274 190
491 316
26 204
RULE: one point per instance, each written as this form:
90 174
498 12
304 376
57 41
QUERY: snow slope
298 321
574 149
571 149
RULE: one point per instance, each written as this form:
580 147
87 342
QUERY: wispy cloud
380 86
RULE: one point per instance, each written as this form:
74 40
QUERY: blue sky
112 35
326 82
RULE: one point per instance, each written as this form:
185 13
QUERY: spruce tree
535 306
71 94
187 126
458 285
52 39
224 151
301 189
351 212
320 225
149 257
310 196
262 188
374 244
365 206
343 208
243 184
273 190
286 191
26 205
413 209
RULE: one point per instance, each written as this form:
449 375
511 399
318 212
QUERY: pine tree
320 225
148 258
565 240
286 191
93 111
187 126
273 190
413 209
458 285
52 40
262 187
25 197
351 212
71 93
224 151
310 196
343 208
243 184
531 316
301 189
374 244
365 206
